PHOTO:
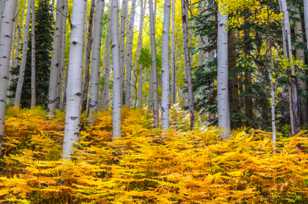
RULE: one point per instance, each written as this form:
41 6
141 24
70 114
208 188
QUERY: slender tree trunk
129 56
293 92
300 54
165 67
73 98
222 76
22 69
306 20
154 83
96 52
85 86
33 66
105 95
187 63
57 63
173 65
138 53
63 72
124 12
6 32
116 109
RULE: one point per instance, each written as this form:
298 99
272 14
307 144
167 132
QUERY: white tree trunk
129 56
293 93
188 77
73 98
124 12
173 65
57 62
33 66
6 32
306 19
138 52
21 75
105 94
96 52
222 76
165 67
154 83
116 109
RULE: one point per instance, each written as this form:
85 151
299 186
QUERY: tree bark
6 32
96 51
73 98
57 63
33 61
22 69
138 53
173 65
88 50
293 92
124 12
188 75
105 95
116 109
165 67
222 77
154 83
129 56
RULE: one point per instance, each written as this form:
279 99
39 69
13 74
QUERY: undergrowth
146 166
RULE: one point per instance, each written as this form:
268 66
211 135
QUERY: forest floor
146 166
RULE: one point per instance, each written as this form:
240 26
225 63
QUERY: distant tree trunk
73 98
57 62
306 20
96 52
138 52
165 67
105 95
173 65
88 51
33 68
6 32
116 109
154 83
300 54
222 76
129 55
293 92
124 12
22 69
188 77
62 73
273 102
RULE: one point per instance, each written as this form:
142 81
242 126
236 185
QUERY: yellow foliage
145 166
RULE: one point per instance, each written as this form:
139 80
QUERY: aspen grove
153 101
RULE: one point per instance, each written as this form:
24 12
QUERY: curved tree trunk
96 51
222 76
6 32
165 67
21 75
116 109
73 98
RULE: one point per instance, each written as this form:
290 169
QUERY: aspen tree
74 96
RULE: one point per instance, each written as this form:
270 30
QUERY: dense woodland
153 101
